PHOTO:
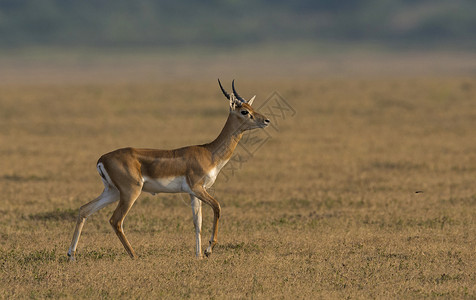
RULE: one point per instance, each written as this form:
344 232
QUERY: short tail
104 175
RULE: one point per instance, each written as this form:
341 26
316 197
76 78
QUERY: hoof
71 257
207 253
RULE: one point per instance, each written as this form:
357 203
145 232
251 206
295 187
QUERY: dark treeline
127 23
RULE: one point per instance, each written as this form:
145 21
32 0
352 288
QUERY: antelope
127 172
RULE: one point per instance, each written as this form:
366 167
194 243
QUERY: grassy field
366 188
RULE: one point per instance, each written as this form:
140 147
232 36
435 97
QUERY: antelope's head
241 110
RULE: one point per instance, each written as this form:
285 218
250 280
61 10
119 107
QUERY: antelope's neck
223 146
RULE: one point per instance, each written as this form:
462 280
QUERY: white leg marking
110 195
197 222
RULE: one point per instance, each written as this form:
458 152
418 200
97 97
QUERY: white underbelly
166 185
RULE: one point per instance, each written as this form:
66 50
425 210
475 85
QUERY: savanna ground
366 188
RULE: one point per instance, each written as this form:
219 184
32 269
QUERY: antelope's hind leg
127 199
108 196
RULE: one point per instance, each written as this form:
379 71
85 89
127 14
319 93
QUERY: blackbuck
127 172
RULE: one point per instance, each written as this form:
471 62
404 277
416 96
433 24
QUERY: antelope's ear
250 102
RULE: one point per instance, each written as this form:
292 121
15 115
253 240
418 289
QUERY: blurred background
148 39
222 24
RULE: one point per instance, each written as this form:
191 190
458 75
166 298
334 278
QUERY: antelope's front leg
203 195
197 222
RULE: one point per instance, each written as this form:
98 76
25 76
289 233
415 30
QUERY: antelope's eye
244 112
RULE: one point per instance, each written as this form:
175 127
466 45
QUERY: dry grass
326 208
